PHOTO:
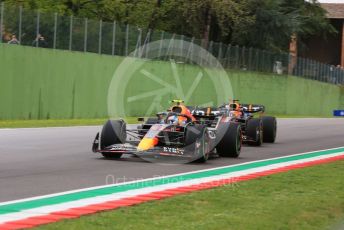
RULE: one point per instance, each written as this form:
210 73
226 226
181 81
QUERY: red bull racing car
255 130
178 135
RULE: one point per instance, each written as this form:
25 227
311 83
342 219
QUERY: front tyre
230 143
197 135
113 132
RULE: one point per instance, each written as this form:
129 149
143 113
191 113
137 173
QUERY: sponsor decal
121 147
173 150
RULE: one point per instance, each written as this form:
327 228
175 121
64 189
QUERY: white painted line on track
155 178
44 210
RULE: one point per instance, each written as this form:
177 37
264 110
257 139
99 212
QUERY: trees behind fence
34 28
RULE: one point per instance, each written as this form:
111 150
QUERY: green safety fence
37 83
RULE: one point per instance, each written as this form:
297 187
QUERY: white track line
160 177
44 210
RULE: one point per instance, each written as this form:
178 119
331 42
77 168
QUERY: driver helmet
172 119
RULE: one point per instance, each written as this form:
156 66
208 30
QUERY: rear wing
205 112
212 112
246 108
252 108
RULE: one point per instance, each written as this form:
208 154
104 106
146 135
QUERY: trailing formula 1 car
176 135
255 130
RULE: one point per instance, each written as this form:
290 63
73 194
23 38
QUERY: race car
175 135
255 130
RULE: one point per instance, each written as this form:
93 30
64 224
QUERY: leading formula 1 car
176 134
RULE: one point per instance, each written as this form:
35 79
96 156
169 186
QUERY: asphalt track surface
40 161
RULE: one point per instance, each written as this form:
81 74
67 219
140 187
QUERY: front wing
158 153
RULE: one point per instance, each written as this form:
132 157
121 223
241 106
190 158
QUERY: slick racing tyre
113 132
196 137
230 144
254 131
269 129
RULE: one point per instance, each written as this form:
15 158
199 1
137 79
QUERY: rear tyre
197 134
113 132
230 143
254 131
269 129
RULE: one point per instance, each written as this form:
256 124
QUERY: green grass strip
57 122
96 121
305 199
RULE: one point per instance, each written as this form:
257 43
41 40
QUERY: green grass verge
56 122
87 122
309 198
